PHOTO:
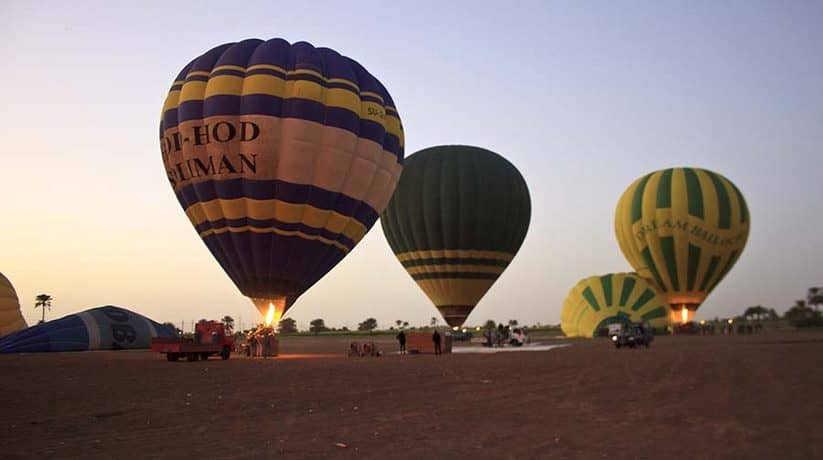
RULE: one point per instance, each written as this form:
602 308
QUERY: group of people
504 335
259 342
365 349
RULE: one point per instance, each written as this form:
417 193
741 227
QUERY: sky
583 97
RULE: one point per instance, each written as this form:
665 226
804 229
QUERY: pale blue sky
583 97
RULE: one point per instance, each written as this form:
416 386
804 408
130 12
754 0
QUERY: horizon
581 100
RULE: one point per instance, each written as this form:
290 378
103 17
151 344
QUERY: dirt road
685 397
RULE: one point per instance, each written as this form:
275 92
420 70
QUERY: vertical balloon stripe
711 214
588 294
606 284
637 199
694 263
667 245
92 328
647 257
664 190
713 262
723 206
744 212
628 286
726 268
644 298
659 312
694 193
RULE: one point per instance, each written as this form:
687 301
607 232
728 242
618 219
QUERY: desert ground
758 396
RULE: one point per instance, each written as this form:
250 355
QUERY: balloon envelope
11 319
682 229
457 219
597 301
102 328
282 156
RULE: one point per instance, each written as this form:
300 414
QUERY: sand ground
685 397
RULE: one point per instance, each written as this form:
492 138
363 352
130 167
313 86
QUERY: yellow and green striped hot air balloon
682 229
598 301
455 222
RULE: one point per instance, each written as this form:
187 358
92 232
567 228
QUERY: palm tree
815 297
228 321
398 323
43 301
801 315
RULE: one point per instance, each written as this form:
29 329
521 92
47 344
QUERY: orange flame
270 314
684 315
272 308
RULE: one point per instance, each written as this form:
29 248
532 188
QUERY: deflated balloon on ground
101 328
597 301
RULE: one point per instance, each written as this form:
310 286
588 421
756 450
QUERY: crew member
436 340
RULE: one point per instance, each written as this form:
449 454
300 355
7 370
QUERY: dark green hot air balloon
456 220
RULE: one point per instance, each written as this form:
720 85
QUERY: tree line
804 312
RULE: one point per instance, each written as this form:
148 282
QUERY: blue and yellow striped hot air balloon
682 229
283 156
597 301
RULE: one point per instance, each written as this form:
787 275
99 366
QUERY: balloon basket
421 343
262 344
270 347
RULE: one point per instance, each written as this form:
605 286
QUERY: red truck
209 339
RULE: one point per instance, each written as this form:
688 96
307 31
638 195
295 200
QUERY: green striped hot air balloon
682 229
598 301
456 220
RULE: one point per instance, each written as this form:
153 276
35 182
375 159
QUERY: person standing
436 340
252 342
401 338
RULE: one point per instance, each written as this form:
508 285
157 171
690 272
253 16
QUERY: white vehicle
518 338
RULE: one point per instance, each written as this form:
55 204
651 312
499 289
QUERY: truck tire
225 353
192 356
204 356
171 357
